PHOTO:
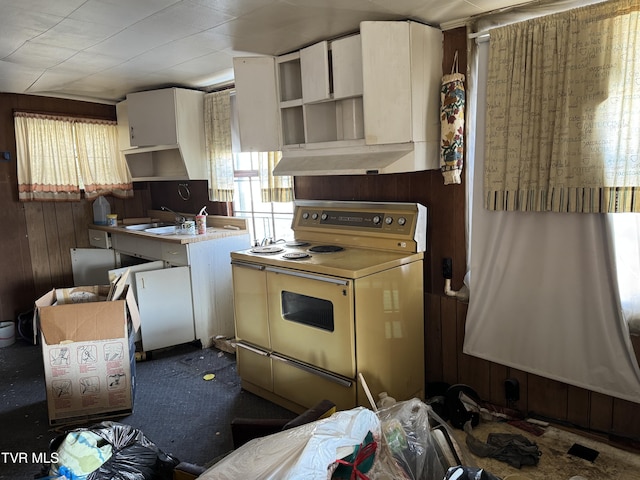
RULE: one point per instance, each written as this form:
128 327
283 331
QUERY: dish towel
452 101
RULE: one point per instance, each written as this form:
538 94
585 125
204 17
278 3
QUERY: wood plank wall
445 317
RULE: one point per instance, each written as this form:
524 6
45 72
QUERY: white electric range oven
345 297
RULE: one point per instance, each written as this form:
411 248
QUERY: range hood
165 162
360 160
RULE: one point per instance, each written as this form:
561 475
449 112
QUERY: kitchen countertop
213 233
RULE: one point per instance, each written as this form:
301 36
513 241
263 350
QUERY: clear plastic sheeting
416 444
132 456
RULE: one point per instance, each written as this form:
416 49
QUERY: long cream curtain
57 156
563 112
217 124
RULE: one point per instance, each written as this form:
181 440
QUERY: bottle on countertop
201 221
101 209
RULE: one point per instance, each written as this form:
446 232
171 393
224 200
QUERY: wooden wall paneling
578 401
547 397
433 339
626 420
82 219
472 371
65 231
38 247
54 247
600 412
449 340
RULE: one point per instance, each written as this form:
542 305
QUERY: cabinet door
152 118
166 310
257 104
386 69
314 68
346 54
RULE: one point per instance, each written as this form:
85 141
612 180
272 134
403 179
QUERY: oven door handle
252 266
310 276
314 371
256 350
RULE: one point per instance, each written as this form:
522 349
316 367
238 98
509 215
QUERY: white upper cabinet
161 117
364 103
165 138
257 104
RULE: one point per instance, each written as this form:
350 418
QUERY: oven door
311 319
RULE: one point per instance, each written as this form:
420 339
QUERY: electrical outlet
512 389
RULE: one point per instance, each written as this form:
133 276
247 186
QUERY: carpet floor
175 407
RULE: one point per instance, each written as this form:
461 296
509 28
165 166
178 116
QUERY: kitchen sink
145 226
167 230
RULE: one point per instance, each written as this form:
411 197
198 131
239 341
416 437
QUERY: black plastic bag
134 456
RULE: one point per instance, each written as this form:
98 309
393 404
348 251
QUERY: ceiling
100 50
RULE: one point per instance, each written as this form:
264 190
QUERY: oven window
311 311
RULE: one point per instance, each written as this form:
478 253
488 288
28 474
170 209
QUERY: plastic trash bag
132 455
308 452
409 449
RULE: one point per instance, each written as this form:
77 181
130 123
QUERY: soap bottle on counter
101 209
201 221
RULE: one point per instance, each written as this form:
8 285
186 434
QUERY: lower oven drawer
306 386
254 366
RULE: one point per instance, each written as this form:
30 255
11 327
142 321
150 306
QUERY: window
265 219
59 156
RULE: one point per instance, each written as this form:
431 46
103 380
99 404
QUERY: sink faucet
180 219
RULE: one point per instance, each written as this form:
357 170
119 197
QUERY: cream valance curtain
217 124
563 112
57 156
274 188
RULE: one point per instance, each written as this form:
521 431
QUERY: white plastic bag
307 452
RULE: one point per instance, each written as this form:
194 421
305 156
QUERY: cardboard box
88 352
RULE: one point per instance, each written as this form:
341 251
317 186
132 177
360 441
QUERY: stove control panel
396 222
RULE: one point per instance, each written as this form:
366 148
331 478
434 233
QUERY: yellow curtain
217 124
103 168
274 188
57 156
45 151
563 112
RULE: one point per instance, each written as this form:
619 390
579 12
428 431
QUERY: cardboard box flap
81 322
134 313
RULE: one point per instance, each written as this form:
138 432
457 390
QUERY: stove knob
376 220
305 215
324 216
402 221
314 216
388 220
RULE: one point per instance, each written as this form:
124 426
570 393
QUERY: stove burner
325 248
297 243
269 249
296 256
